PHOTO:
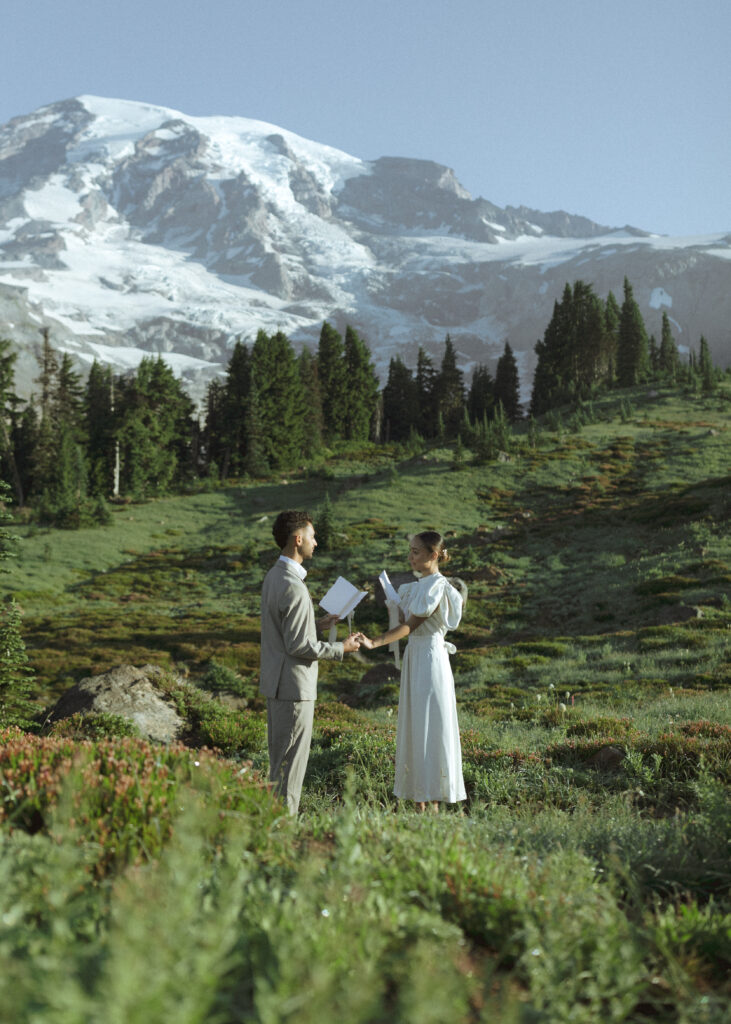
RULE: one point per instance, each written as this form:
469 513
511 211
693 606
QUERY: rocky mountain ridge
131 229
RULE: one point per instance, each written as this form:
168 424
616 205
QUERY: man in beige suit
290 650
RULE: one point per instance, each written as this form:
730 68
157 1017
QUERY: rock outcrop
129 692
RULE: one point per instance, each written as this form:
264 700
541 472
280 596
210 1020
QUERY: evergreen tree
653 355
60 476
450 390
16 707
633 362
705 364
275 375
67 406
481 396
331 374
400 407
255 460
591 347
99 427
49 371
24 441
427 396
311 401
325 526
550 380
230 443
216 451
576 355
156 430
668 354
507 385
361 388
612 316
46 440
9 418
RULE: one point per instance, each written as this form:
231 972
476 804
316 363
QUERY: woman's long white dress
428 751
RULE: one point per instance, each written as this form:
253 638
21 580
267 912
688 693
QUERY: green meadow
585 879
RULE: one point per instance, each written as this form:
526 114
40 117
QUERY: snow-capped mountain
129 229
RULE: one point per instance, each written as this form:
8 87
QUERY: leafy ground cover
585 878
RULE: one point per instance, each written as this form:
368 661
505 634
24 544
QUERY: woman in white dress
428 752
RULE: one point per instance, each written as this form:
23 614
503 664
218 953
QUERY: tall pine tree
9 418
331 375
311 400
633 360
427 394
481 396
668 355
507 385
400 405
361 388
450 390
275 375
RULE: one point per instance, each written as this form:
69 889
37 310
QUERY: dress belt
433 638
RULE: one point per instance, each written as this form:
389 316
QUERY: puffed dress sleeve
451 606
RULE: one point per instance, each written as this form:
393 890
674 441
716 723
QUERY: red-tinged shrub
713 730
122 795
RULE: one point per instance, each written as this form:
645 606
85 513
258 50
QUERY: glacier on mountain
132 228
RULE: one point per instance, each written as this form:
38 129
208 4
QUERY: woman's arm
397 633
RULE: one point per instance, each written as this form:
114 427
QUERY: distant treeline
590 346
75 445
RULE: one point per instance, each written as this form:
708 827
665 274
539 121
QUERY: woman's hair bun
434 542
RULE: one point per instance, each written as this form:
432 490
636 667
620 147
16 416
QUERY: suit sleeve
298 628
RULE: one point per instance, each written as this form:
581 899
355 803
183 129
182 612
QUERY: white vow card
388 588
341 599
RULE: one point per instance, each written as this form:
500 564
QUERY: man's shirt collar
298 568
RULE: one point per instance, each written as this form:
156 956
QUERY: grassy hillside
573 885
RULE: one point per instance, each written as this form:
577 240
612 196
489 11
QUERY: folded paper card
341 598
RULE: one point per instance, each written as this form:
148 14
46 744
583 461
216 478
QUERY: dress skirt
428 751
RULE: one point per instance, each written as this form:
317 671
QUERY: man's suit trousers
289 730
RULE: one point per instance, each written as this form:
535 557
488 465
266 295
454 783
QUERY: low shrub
93 726
119 797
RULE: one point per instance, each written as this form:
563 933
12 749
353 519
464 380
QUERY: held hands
365 642
352 643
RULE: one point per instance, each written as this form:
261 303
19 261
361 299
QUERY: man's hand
365 641
324 623
351 644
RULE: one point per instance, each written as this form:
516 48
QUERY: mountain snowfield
131 229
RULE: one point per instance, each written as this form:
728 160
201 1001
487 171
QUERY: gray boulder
129 692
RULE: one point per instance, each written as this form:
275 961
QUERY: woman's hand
365 641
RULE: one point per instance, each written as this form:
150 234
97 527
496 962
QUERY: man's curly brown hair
287 523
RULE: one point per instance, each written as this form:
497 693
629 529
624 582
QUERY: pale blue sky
620 111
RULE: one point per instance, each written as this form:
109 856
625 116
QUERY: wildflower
325 912
562 707
551 686
539 698
535 952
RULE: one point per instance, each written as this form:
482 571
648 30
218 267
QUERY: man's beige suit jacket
289 646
